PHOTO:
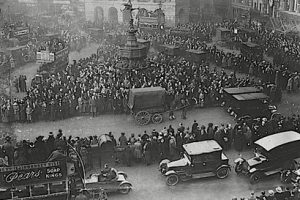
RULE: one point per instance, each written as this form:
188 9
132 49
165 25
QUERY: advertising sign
21 32
24 175
44 57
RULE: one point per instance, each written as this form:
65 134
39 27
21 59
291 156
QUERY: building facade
284 15
176 11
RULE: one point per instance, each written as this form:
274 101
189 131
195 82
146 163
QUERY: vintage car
274 153
291 175
199 160
118 184
254 104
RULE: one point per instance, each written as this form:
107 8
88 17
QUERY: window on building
260 7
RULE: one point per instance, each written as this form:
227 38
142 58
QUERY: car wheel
255 178
125 188
222 172
172 179
238 168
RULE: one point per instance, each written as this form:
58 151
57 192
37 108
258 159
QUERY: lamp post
81 163
12 65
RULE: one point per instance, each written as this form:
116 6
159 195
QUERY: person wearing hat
108 173
252 196
8 150
3 158
262 196
279 193
147 152
287 193
50 142
271 195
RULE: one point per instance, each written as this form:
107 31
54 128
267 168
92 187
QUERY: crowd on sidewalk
279 193
150 147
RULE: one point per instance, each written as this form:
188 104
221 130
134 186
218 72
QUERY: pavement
147 181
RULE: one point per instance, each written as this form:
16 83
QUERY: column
291 5
296 5
282 5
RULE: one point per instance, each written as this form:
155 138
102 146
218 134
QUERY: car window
204 158
210 157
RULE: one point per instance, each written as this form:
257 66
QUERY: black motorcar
274 153
200 159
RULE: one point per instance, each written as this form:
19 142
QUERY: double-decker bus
48 180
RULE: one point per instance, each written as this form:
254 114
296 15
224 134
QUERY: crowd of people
95 85
279 193
154 146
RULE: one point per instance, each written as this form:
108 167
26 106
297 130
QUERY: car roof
241 90
251 44
198 52
223 29
272 141
207 146
250 96
141 91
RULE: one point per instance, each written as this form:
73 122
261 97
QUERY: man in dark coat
194 127
41 150
50 143
9 149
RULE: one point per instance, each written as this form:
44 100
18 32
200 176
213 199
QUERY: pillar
291 5
297 2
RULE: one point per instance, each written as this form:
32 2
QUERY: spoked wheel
157 118
172 180
238 168
143 118
255 178
125 188
222 172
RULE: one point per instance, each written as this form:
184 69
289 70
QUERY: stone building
284 15
176 11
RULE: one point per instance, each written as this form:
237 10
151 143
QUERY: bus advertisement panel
31 174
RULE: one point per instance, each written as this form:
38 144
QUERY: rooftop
202 147
278 139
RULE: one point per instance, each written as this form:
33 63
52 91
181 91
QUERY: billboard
24 175
44 57
21 32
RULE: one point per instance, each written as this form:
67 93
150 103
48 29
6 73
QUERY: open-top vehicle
291 175
199 160
117 184
274 153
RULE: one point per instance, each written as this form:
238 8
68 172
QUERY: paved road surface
147 181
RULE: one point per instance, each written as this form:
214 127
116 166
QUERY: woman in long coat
137 152
238 139
93 106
